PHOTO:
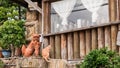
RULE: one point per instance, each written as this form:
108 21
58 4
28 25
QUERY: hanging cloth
93 6
63 9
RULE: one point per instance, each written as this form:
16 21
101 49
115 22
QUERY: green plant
102 58
12 32
1 64
10 10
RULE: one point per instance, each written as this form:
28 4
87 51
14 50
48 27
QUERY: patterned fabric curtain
63 9
93 6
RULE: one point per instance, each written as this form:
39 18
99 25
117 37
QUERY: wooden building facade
76 43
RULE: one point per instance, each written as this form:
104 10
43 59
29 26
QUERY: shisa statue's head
35 37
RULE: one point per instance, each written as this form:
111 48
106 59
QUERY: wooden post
39 23
57 47
46 10
108 38
114 16
70 46
88 41
114 31
113 10
76 46
119 30
63 46
118 18
100 38
94 39
82 44
52 43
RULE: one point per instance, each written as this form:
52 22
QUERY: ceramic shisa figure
45 52
33 47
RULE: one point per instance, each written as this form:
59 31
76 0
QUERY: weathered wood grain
70 46
63 46
114 31
88 41
52 43
94 39
57 47
82 44
101 41
76 46
108 37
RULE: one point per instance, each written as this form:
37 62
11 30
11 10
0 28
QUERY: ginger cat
45 52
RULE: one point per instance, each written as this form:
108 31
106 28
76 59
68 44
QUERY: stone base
37 62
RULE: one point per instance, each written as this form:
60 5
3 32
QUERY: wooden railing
75 44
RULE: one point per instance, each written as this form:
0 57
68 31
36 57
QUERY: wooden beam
113 10
114 31
94 39
76 46
70 46
88 41
47 23
108 37
52 43
118 19
57 47
113 17
34 5
82 44
100 38
85 28
63 46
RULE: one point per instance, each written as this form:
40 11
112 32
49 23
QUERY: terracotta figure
45 52
33 47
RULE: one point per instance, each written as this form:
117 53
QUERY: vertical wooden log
46 10
88 41
40 24
57 47
119 30
63 46
113 17
100 38
76 45
114 31
113 10
118 18
70 46
94 39
52 43
82 44
107 38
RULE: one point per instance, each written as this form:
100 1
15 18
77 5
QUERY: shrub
1 64
102 58
12 32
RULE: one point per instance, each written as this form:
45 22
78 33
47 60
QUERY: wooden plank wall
75 45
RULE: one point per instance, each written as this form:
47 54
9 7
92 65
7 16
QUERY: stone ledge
38 62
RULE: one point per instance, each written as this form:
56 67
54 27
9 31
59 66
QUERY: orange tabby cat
45 52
